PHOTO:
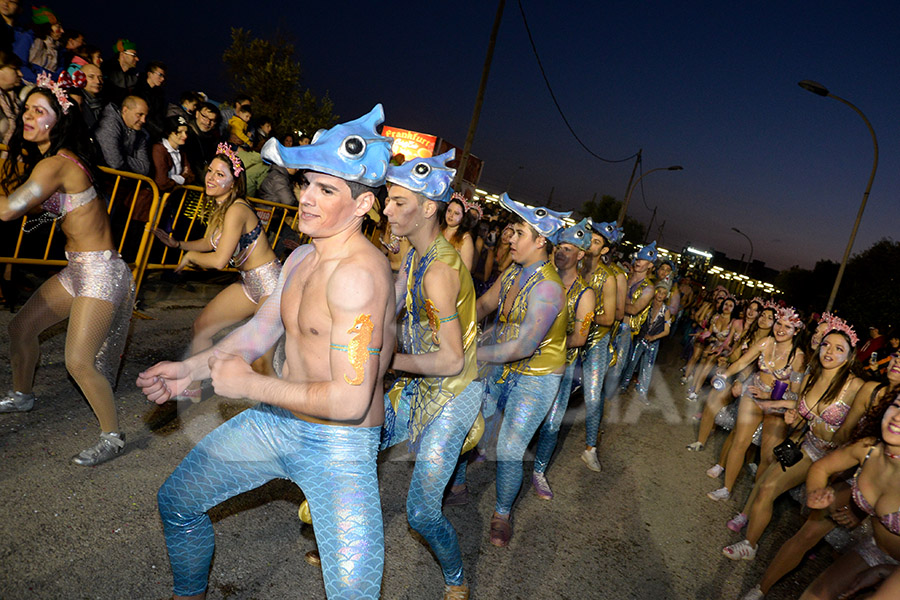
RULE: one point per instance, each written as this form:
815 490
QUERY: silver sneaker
590 459
16 402
109 446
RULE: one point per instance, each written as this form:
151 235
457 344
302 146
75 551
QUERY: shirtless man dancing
320 424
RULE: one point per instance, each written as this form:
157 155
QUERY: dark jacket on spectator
278 186
122 148
156 108
91 110
117 83
200 147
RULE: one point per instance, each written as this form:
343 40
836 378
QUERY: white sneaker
590 459
692 396
714 471
695 447
720 494
755 594
740 551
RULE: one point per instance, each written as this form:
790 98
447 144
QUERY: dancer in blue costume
646 345
637 306
436 403
608 283
320 425
580 303
528 351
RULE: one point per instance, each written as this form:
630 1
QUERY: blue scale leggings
594 366
550 429
334 466
527 400
437 458
642 354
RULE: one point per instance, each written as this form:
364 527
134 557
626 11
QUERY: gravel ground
641 529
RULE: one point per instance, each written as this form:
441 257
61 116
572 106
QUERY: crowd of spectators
126 106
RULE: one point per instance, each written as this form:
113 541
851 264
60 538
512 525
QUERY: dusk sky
710 86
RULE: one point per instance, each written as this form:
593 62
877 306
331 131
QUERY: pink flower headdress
58 88
474 206
236 164
836 323
790 315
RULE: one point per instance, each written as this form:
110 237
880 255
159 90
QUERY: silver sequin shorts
102 275
261 281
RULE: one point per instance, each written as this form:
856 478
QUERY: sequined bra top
782 374
61 203
246 244
832 417
891 521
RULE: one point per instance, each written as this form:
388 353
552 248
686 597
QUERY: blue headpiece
579 235
353 151
546 222
612 232
430 177
648 252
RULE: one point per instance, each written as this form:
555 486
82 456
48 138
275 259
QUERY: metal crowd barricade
38 247
187 218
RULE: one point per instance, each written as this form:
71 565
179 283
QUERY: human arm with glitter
545 302
45 179
584 312
165 380
357 298
441 288
236 217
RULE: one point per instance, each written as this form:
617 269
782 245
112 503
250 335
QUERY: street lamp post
749 260
821 90
621 219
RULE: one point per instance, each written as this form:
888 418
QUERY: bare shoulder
549 291
360 280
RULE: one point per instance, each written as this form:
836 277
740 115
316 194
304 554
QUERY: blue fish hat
429 177
612 232
579 235
546 222
648 252
353 151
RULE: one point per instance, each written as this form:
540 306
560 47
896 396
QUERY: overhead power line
553 96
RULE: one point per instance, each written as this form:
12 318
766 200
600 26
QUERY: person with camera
780 361
828 394
875 489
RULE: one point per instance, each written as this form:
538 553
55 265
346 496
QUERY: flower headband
237 165
835 324
474 206
790 315
58 88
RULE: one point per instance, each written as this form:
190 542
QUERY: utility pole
479 100
621 218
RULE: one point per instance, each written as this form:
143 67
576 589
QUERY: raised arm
545 302
442 289
45 179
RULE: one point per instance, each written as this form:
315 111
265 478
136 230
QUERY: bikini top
246 244
891 520
782 374
721 334
832 417
60 203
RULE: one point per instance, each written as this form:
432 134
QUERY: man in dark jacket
121 74
123 142
92 106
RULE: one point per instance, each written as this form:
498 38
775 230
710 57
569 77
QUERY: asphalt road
641 529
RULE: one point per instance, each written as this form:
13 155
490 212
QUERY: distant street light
749 260
621 219
821 90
